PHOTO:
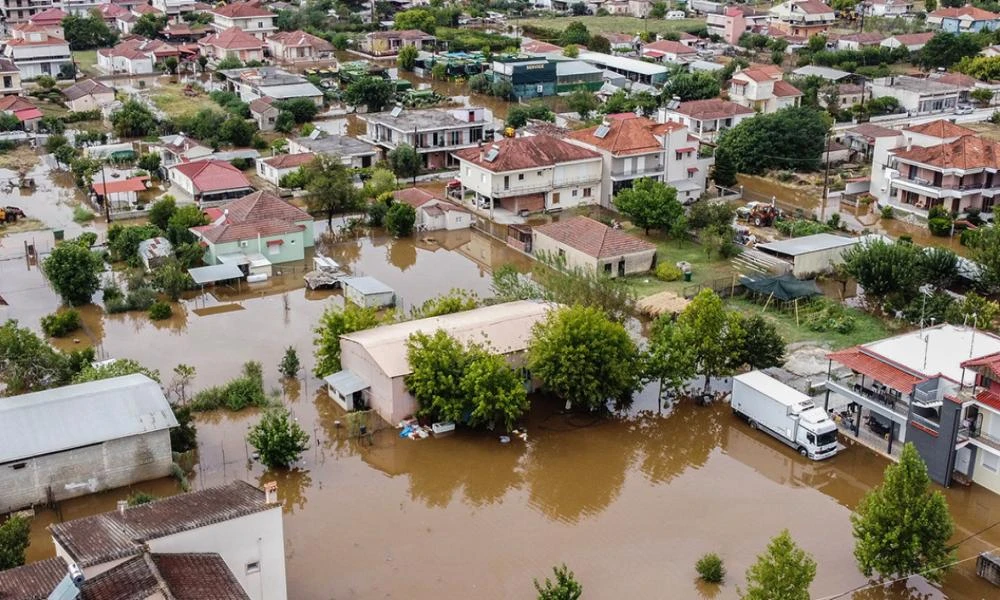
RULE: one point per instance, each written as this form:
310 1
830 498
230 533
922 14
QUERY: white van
675 15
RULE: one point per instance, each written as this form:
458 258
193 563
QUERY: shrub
667 272
710 568
141 298
160 310
60 324
887 212
829 316
82 215
140 498
111 291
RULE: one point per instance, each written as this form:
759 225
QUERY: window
18 466
586 192
678 155
607 267
991 462
539 173
253 566
520 176
273 249
575 192
456 138
555 197
562 253
811 438
506 182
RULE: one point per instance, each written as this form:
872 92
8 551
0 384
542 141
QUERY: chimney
122 505
75 574
271 492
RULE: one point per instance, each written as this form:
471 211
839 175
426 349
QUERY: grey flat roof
824 72
575 67
704 65
80 415
427 118
809 243
341 145
345 382
917 84
625 64
367 285
213 273
294 90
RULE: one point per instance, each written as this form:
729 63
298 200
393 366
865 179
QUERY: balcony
620 174
521 190
927 188
873 399
985 441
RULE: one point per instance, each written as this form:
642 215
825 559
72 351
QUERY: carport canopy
345 383
214 273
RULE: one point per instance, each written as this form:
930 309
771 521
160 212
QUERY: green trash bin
687 275
58 234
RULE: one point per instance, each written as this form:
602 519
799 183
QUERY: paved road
980 114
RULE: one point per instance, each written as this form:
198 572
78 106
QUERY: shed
810 254
368 292
585 243
154 252
346 389
215 273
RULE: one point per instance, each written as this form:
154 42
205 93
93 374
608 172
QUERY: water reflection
402 253
672 444
293 485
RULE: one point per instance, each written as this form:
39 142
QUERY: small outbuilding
154 252
368 292
811 254
585 243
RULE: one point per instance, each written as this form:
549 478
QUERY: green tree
938 267
724 171
138 498
84 33
438 362
713 336
583 102
885 270
668 360
289 366
331 187
123 240
902 527
699 85
399 219
565 586
73 272
407 57
150 25
575 33
118 368
416 18
172 279
493 390
303 109
381 182
373 92
584 357
519 114
651 204
334 323
571 51
985 247
237 131
659 10
946 49
279 440
456 300
439 71
182 220
783 572
134 119
15 537
184 437
762 345
791 138
162 210
28 363
599 43
405 161
982 96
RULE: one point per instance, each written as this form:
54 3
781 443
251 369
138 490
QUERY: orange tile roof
761 72
134 184
289 161
212 175
628 134
966 153
783 89
813 7
298 39
969 11
232 38
262 206
415 197
941 128
715 108
857 360
522 153
670 47
593 238
50 16
912 39
242 10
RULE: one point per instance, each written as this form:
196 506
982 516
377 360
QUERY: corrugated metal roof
294 90
80 415
213 273
345 382
367 285
808 243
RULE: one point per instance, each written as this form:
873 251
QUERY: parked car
964 109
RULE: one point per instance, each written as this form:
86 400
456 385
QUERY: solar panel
602 131
315 134
397 111
673 104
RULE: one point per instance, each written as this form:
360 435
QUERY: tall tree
575 33
902 527
651 204
373 92
713 336
885 270
692 86
791 138
73 270
565 586
399 219
331 187
437 363
149 25
407 57
946 49
584 357
279 440
493 390
405 162
724 171
599 43
783 572
15 537
985 244
668 360
583 102
334 323
84 33
134 119
416 18
762 345
28 363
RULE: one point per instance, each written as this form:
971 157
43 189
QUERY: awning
783 287
213 273
882 372
345 383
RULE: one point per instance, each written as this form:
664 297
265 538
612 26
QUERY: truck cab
817 434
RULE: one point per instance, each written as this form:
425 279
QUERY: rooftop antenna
972 340
927 343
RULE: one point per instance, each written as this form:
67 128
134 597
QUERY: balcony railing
885 406
622 174
984 439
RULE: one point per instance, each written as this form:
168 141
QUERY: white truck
785 413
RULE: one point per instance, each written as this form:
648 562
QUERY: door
621 268
963 460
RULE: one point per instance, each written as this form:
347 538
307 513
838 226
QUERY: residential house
138 56
964 19
845 95
10 78
732 22
827 73
640 8
801 18
886 8
919 95
529 77
174 8
530 174
208 181
257 225
88 94
264 113
375 364
273 168
239 522
179 148
19 11
634 147
51 21
251 17
588 244
79 439
705 119
389 43
352 152
271 82
435 133
148 9
863 142
175 575
934 388
154 252
621 43
297 46
668 51
910 41
36 53
22 108
231 43
121 195
761 88
184 32
433 213
532 47
125 22
857 41
107 11
882 142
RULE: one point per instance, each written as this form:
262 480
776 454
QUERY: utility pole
826 181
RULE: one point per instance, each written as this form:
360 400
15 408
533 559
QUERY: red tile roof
593 238
261 206
213 175
872 131
857 360
628 134
242 10
941 128
32 582
516 154
783 89
912 39
233 38
198 576
538 47
298 39
415 197
870 38
813 7
290 161
110 11
134 184
670 47
14 104
761 72
968 11
967 152
991 362
715 108
989 398
50 16
145 9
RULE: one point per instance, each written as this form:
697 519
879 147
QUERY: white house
251 17
705 119
174 8
209 180
762 88
918 94
434 213
80 439
273 168
231 43
37 53
668 51
237 521
434 132
887 8
588 244
351 151
911 41
179 148
271 82
10 77
530 174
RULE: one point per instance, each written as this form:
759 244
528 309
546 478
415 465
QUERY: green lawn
170 98
86 61
867 328
629 25
703 268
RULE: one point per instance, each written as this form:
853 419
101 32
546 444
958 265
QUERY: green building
572 75
530 77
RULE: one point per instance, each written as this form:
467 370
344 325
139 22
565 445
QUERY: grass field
170 98
703 268
86 61
629 25
867 328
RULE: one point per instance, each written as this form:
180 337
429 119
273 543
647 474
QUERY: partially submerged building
209 181
582 242
810 255
433 213
367 292
435 133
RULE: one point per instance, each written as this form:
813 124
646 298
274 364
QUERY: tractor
10 214
760 214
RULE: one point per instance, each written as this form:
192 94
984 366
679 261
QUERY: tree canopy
279 440
15 537
86 32
699 85
407 57
565 586
373 92
416 18
334 323
399 219
405 161
783 572
713 337
946 49
575 33
134 119
651 204
885 270
28 363
331 187
791 138
73 271
519 114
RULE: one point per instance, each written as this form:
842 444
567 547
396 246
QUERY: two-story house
296 46
20 11
801 18
634 147
10 78
389 43
530 174
251 17
705 119
878 144
762 88
174 8
919 94
886 8
50 20
435 133
937 388
963 19
231 43
37 53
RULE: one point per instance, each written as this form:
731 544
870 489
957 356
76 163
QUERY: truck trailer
785 413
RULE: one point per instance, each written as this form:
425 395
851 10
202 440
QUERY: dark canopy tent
783 287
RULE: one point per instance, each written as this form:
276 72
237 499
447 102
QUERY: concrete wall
86 470
90 102
938 451
820 261
387 396
634 263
